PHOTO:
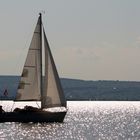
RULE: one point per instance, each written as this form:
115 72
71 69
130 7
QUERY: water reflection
84 121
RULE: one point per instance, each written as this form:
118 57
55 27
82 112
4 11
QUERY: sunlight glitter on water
106 120
85 120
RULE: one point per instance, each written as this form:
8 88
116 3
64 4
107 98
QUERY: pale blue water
85 120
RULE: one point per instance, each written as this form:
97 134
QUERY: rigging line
12 106
37 104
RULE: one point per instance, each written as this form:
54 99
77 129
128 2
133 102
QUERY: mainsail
29 86
52 91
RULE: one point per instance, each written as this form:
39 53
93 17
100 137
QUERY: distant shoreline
82 90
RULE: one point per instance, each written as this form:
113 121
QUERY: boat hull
32 117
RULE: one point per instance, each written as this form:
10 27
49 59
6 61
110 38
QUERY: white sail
29 86
52 95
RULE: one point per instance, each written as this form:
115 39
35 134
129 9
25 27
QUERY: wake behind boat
33 87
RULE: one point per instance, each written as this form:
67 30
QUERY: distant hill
84 90
101 90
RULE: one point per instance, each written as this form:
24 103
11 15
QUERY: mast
41 75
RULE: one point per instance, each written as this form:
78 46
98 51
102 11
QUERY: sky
89 39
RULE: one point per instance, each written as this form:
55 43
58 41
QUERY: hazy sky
89 39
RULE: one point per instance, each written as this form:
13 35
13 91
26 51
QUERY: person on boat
1 110
17 110
31 108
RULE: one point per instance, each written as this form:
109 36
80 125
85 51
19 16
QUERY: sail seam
37 32
30 66
34 49
27 83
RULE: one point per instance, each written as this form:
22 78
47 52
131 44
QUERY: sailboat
33 86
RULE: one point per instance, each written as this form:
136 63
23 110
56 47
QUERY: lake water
85 120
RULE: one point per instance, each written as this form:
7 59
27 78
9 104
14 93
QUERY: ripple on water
84 121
